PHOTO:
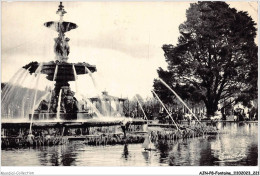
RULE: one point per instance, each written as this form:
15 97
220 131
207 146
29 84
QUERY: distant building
109 105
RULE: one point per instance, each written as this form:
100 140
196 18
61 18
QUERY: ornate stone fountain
60 71
58 119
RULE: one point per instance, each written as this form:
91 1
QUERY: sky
123 40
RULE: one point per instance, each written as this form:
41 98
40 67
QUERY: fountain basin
69 123
58 26
64 70
63 116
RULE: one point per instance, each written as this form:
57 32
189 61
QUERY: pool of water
237 145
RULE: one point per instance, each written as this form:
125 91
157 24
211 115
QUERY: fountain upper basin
60 26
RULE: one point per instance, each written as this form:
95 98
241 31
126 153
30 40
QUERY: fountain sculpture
55 115
60 71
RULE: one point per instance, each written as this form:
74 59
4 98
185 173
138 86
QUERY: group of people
177 115
244 114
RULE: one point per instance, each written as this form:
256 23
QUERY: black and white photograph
123 84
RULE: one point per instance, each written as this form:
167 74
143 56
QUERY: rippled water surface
237 145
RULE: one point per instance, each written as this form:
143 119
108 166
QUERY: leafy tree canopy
215 57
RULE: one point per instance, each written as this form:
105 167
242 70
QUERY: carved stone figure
61 48
70 102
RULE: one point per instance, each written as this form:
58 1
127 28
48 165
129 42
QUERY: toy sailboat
148 145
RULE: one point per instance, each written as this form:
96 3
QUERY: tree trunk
211 108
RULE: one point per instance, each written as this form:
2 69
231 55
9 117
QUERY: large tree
215 57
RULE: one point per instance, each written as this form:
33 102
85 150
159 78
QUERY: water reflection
125 152
57 155
164 147
146 155
236 145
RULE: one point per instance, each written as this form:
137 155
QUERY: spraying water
16 102
39 69
49 104
76 77
25 111
104 104
115 108
165 109
179 98
58 108
54 78
34 101
36 104
105 107
12 85
11 82
13 91
42 98
91 76
141 108
92 106
55 72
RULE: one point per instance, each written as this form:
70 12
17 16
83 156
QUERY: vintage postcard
170 84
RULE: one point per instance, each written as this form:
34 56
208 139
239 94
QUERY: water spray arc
59 105
141 108
34 103
179 98
165 109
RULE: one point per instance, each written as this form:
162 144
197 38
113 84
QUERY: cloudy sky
123 39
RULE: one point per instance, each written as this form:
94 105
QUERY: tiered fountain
61 71
57 118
